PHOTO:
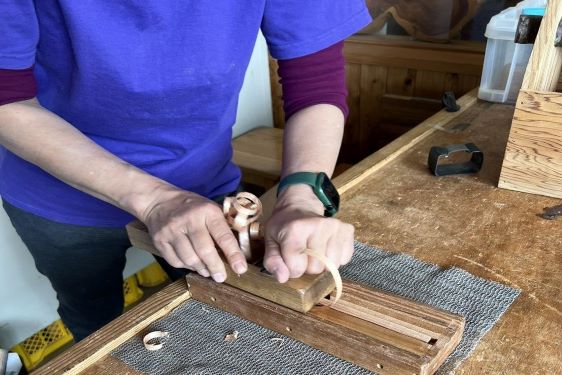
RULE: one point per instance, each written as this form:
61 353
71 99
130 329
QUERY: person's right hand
183 226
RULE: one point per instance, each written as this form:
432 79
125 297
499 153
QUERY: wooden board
543 70
357 174
298 294
533 158
407 338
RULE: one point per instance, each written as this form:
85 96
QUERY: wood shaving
157 336
277 340
231 336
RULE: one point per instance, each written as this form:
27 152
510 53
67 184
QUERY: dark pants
84 265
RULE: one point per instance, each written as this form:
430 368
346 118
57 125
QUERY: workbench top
464 221
467 222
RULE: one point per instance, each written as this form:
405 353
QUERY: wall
27 301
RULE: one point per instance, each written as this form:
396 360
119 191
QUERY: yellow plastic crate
132 291
53 337
48 340
152 275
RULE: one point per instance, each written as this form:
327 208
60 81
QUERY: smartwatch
321 185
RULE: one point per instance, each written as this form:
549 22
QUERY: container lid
504 24
533 12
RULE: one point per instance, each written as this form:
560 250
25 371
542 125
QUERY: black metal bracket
450 102
437 154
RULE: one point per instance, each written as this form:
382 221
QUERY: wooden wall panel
394 83
351 138
372 88
430 85
276 95
401 81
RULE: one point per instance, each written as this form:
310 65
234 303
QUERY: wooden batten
533 157
408 338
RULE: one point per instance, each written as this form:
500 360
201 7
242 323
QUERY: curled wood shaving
160 338
335 274
241 213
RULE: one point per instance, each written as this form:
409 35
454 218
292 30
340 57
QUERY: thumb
273 261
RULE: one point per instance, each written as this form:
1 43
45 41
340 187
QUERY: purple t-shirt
155 82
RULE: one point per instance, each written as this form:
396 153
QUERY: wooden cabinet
395 83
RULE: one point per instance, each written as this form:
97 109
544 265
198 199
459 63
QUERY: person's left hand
298 223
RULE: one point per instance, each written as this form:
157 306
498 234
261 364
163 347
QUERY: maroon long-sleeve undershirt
17 85
314 79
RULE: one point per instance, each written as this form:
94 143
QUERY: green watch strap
321 186
307 178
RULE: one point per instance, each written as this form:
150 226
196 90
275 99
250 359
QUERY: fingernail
219 277
239 267
204 272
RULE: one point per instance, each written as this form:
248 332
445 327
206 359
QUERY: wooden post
533 157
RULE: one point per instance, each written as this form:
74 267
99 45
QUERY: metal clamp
437 154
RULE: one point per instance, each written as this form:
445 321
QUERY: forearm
48 141
312 140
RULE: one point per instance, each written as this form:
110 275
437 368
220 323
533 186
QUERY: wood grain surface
356 175
543 70
467 222
533 157
410 338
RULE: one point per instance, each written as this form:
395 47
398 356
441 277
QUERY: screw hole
213 299
380 366
288 329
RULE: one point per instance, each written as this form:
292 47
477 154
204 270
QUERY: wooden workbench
463 221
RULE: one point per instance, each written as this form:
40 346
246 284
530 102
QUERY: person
115 110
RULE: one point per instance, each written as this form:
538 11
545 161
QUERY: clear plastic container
505 61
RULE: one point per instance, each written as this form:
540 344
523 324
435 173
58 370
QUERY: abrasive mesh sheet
197 346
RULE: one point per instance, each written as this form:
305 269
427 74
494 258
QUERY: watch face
330 192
